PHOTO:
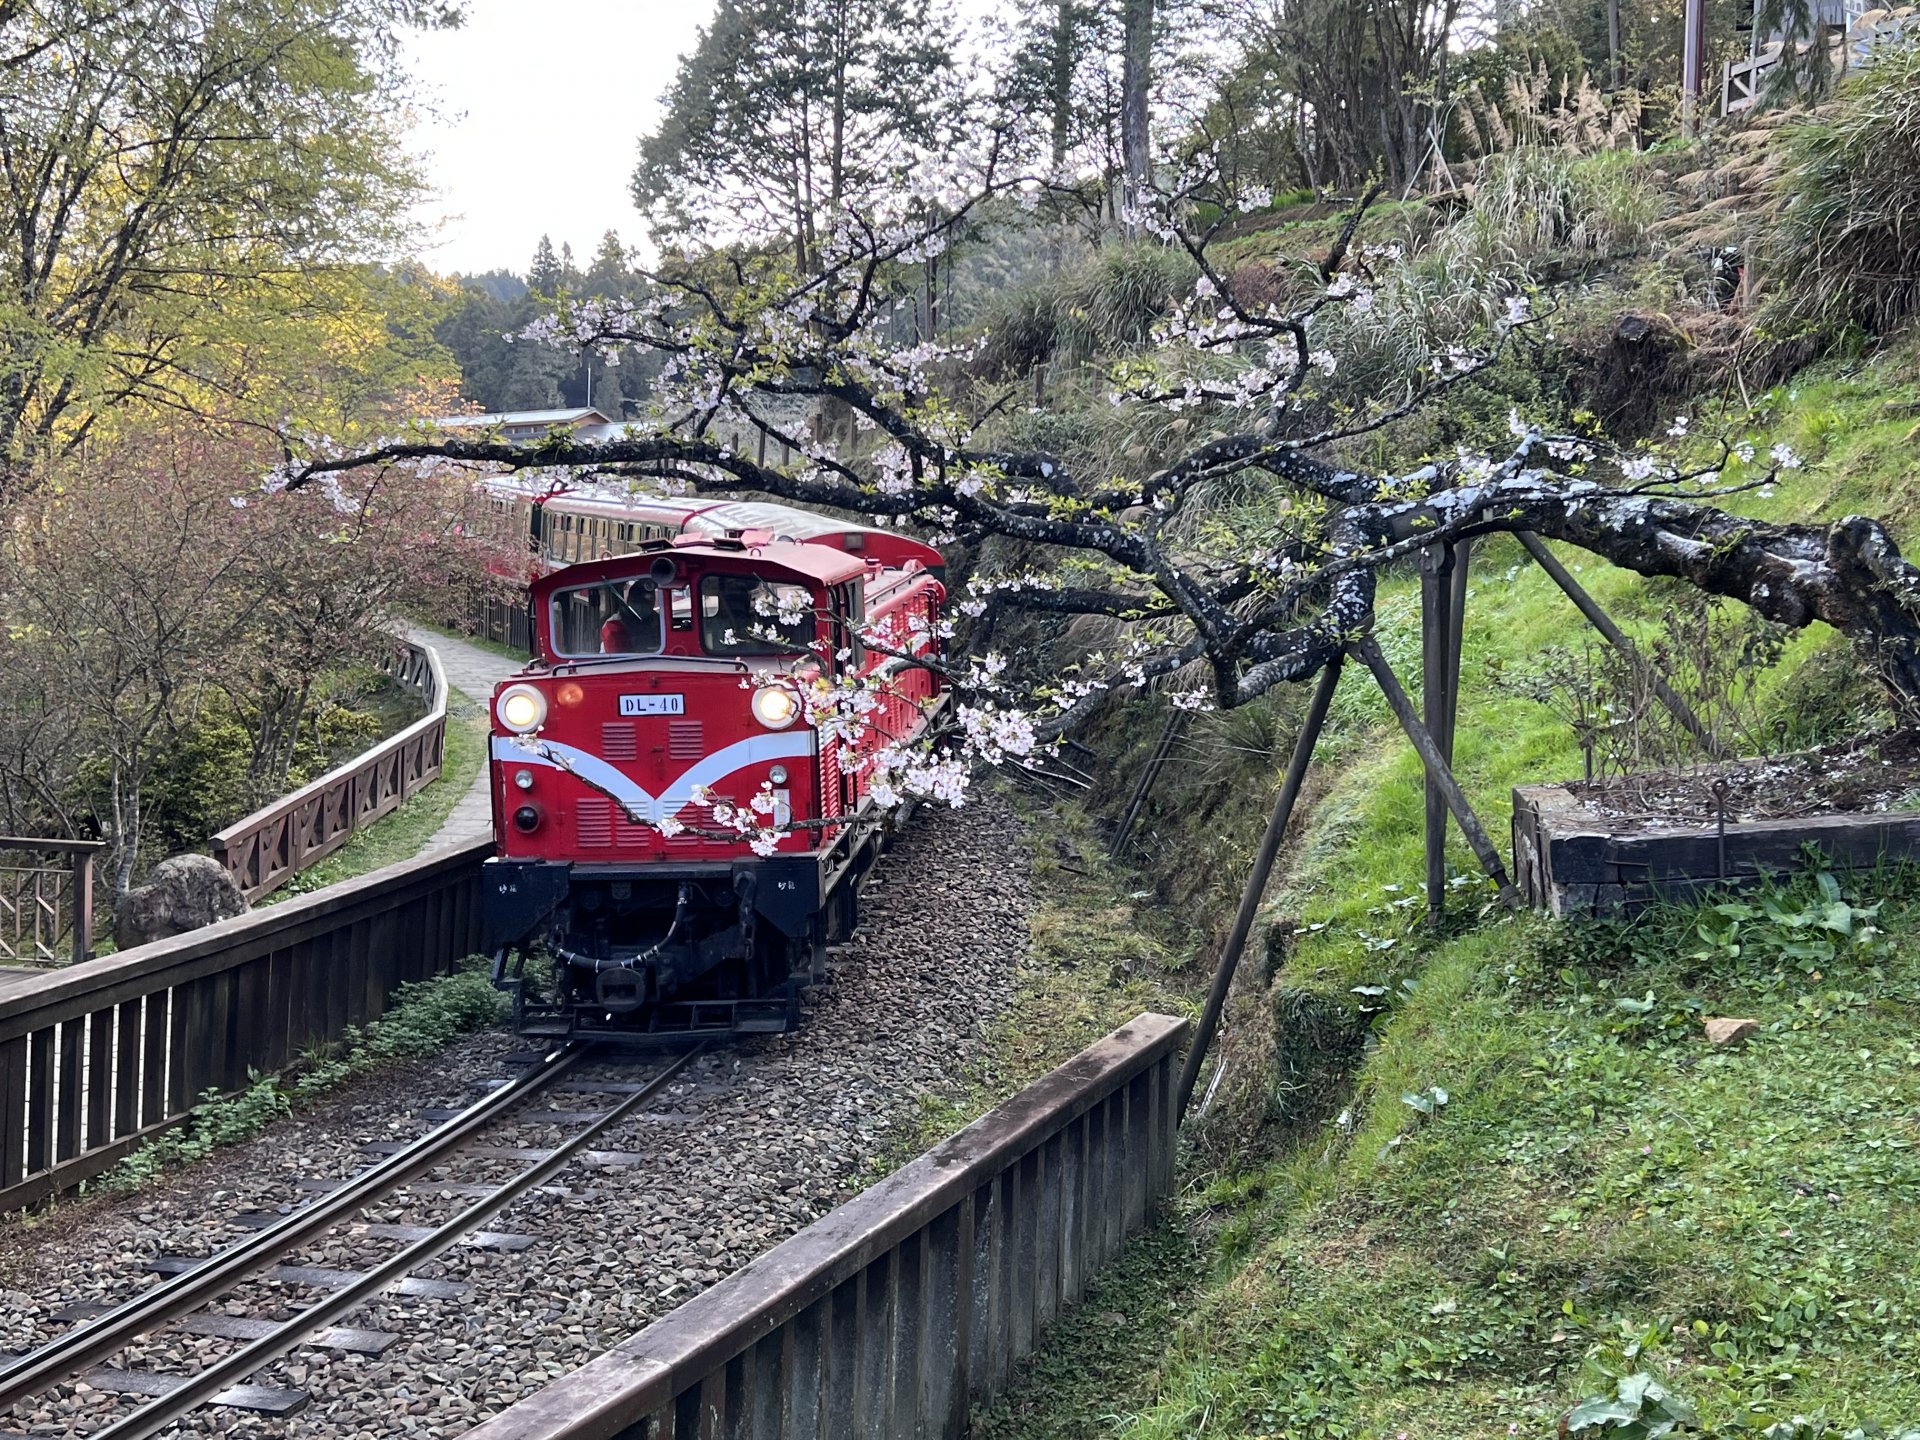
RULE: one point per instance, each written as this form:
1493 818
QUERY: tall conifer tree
789 111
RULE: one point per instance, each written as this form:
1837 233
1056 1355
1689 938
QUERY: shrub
1540 199
1126 289
1022 331
1848 233
1110 302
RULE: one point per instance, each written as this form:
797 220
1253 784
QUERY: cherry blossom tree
149 595
1217 615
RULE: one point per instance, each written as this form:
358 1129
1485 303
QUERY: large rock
181 894
1726 1030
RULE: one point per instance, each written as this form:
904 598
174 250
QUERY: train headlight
521 708
524 779
775 706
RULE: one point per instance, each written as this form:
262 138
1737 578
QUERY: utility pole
1136 79
1693 60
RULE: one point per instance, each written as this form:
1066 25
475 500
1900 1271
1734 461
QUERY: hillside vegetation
1457 1183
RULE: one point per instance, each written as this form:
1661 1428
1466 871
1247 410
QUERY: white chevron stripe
611 780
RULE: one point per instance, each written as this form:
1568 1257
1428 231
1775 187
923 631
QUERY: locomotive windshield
742 615
614 617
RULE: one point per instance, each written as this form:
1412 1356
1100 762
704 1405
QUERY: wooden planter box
1569 859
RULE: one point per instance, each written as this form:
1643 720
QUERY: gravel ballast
750 1144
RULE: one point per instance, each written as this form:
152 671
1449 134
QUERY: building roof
524 419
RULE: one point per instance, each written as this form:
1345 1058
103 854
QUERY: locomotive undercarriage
669 952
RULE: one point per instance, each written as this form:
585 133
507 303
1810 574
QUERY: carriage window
615 617
740 615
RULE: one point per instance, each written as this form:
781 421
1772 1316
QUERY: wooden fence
894 1313
46 910
505 622
1744 82
98 1057
272 845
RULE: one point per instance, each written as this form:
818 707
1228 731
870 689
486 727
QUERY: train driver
634 626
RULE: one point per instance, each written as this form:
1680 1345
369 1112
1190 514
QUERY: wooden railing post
82 906
175 1000
41 896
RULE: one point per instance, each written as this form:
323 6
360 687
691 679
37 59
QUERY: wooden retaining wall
891 1315
1568 861
100 1056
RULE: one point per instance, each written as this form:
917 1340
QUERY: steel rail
224 1269
172 1407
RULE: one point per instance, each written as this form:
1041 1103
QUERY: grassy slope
1466 1273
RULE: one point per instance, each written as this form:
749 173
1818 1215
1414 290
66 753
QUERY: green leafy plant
1640 1407
1808 932
1648 1019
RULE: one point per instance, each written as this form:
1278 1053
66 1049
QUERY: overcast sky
541 103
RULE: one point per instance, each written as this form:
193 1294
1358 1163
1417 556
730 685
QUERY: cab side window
849 619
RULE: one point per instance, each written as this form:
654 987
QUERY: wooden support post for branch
1303 745
1443 600
1368 652
1601 621
1462 554
1170 732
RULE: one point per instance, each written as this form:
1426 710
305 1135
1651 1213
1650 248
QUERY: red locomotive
681 775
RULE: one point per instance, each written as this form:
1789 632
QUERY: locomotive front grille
618 742
593 824
686 739
694 817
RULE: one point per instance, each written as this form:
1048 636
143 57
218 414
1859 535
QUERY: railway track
182 1300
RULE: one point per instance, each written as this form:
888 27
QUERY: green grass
1853 425
1077 1386
1602 1193
400 835
1598 1175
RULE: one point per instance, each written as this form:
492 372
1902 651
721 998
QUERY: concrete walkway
471 674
